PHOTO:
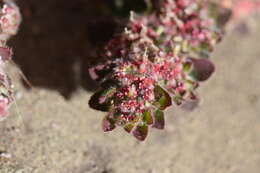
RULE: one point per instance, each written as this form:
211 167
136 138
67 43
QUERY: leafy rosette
151 66
141 86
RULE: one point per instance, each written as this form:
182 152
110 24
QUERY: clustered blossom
187 25
9 22
149 66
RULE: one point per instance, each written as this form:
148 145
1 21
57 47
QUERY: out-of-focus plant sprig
10 19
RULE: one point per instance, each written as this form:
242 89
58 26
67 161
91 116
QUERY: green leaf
94 102
147 117
109 83
204 53
102 99
141 132
159 121
108 124
177 99
187 67
129 127
163 100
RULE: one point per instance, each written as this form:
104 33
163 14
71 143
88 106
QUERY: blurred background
51 129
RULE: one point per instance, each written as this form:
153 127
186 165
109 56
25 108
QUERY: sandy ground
47 133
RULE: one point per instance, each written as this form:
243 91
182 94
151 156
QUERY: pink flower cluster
149 66
185 25
192 22
10 19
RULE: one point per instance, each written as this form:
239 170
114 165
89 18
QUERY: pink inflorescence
185 25
10 19
150 65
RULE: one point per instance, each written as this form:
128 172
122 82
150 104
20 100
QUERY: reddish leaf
108 124
202 69
141 132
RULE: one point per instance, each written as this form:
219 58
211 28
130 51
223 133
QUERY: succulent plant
157 61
